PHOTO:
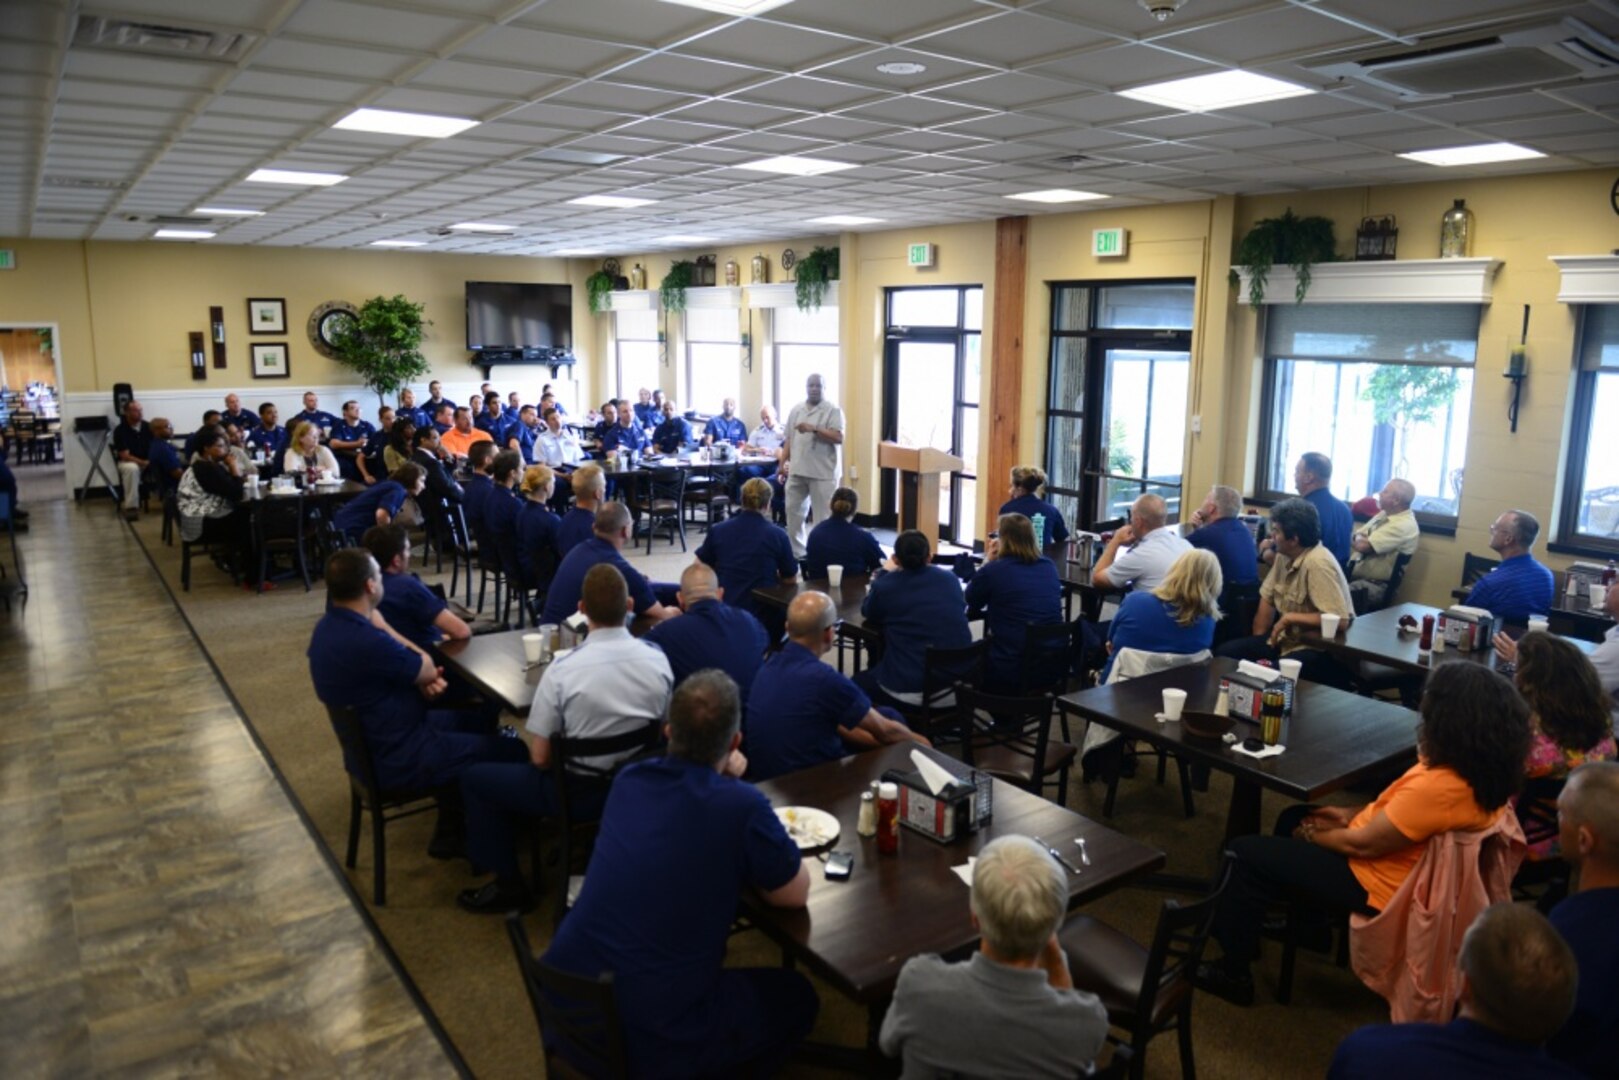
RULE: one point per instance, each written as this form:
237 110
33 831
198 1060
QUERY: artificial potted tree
810 277
1299 242
382 343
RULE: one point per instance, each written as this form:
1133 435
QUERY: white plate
810 828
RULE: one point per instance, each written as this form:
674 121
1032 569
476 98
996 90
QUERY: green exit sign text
1109 243
919 255
8 259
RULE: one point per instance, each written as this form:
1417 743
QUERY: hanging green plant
1290 240
672 289
599 286
810 275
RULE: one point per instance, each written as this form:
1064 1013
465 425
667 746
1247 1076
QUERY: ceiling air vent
575 157
1527 55
158 39
84 183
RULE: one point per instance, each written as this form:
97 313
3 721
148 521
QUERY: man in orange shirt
459 439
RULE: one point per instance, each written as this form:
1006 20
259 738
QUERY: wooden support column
1005 404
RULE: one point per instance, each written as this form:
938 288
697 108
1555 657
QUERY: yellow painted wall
48 286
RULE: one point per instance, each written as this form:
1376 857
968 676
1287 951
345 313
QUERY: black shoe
497 899
1215 979
1313 934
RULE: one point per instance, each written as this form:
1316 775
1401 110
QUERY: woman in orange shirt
1470 746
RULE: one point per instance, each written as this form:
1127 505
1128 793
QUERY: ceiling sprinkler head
1161 9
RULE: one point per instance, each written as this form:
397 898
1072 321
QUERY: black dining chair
282 523
1010 738
580 1029
942 671
661 500
463 551
368 796
711 490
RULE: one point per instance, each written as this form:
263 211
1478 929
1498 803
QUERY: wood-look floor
163 909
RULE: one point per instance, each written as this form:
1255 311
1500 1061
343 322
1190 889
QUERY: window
805 344
1125 349
713 358
1384 390
636 336
1590 514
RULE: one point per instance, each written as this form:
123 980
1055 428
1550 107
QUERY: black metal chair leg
379 855
355 813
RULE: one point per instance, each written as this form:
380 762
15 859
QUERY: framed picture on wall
270 360
267 316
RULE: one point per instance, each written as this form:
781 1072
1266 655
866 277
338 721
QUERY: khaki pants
129 475
803 496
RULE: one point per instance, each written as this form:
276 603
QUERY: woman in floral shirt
1572 723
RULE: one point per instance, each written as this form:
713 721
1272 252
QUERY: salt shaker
867 825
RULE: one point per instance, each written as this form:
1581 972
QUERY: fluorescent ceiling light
416 125
1217 90
845 219
1056 195
681 238
183 234
797 166
1480 154
220 211
621 202
398 243
294 176
482 226
732 7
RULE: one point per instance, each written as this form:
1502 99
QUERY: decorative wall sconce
1517 370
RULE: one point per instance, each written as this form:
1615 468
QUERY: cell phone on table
839 865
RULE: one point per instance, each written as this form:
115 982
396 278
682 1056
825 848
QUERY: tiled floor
163 909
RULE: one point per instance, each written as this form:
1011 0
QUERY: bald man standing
713 634
803 711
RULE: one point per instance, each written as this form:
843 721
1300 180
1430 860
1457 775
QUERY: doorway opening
31 411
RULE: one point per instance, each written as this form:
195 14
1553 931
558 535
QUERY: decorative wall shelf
633 300
1403 281
1588 279
785 294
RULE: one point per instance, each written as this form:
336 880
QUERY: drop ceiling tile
1006 126
919 112
936 69
550 113
688 76
126 94
1097 109
1183 125
121 67
1532 132
1012 39
1010 91
336 20
492 80
1403 17
891 20
630 21
615 98
1309 107
1272 32
1133 21
69 112
1360 127
844 128
334 92
809 94
1122 67
443 103
733 113
771 45
319 58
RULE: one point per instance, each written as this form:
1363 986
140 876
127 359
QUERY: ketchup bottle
888 818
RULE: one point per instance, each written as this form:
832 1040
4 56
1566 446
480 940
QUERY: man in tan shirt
1378 544
1305 582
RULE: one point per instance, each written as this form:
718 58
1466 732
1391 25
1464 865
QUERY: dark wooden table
857 934
1376 638
1333 739
495 665
326 493
1574 617
848 597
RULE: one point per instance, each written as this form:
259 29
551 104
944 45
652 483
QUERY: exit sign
1109 243
8 259
919 255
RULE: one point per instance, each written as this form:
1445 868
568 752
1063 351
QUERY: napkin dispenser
1468 629
1244 695
958 810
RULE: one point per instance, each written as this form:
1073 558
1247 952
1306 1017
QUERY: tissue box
1587 574
947 816
1468 628
1244 695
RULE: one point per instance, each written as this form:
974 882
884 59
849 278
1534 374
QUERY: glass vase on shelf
1456 231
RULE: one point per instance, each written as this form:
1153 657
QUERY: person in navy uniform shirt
626 434
132 450
1520 586
478 486
358 661
421 616
1588 821
514 406
710 633
501 508
380 503
408 411
749 551
1024 498
673 433
1518 985
523 433
268 438
491 419
371 460
803 711
436 399
579 523
314 414
210 418
1016 588
537 529
348 439
685 830
610 534
838 541
647 414
916 606
443 418
164 465
235 414
726 427
1220 530
609 421
1311 479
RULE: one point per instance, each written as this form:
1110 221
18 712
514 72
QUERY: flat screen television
519 315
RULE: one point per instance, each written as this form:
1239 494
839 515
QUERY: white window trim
1405 281
1588 279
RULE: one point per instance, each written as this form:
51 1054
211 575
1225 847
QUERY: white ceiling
650 99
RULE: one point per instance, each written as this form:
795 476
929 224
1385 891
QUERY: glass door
1143 428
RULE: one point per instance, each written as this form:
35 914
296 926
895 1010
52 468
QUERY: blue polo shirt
418 416
360 513
162 461
576 527
410 608
1233 545
355 664
1516 589
563 598
1459 1048
915 609
271 440
694 839
475 492
245 421
747 552
1337 522
1013 596
430 406
671 435
526 438
647 414
628 438
840 542
536 531
722 430
1590 1039
1147 623
794 711
494 425
1033 507
713 635
348 432
319 417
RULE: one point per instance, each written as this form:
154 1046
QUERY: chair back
942 671
1047 660
1238 605
1178 943
568 754
720 477
666 485
1396 575
578 1017
278 518
455 522
1536 806
357 760
1475 567
1020 724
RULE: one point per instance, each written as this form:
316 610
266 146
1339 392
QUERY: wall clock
324 323
788 259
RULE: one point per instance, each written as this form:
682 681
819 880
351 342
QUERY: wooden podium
919 469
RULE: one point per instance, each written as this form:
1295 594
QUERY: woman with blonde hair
838 541
1024 498
305 453
1016 588
1176 617
537 528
